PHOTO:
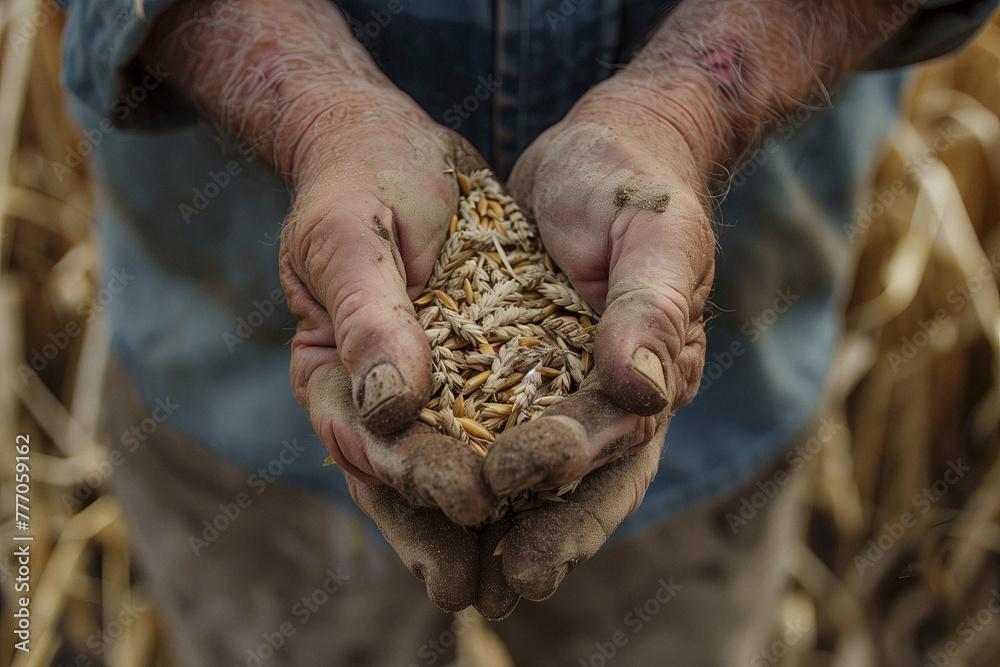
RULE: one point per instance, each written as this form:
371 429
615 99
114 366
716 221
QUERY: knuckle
356 319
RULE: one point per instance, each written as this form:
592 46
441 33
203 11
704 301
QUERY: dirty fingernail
383 383
539 584
647 363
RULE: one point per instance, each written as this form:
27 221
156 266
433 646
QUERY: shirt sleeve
100 42
919 30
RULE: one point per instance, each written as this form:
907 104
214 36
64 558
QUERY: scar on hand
725 64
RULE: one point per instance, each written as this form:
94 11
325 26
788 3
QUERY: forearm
281 73
721 72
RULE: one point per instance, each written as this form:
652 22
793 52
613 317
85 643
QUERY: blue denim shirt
194 217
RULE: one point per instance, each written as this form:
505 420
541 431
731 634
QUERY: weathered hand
372 207
371 211
615 193
620 190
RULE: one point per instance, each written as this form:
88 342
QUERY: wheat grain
509 333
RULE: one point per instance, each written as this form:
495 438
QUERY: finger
571 438
540 550
344 253
635 240
426 467
358 252
495 599
438 552
650 345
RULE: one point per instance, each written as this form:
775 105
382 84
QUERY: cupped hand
621 208
372 204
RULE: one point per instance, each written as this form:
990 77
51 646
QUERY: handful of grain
509 335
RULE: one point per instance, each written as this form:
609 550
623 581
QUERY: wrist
273 71
675 124
723 72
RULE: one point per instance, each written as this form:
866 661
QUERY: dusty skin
427 468
557 448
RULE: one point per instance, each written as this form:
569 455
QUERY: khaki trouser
294 580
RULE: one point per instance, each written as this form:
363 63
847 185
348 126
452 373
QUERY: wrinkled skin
359 244
638 245
619 191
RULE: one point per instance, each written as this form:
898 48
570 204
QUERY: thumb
542 548
649 348
346 282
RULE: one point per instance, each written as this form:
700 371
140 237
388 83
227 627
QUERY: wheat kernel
463 183
517 313
512 380
496 208
445 300
469 298
455 343
477 380
474 428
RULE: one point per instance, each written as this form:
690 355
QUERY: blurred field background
916 381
